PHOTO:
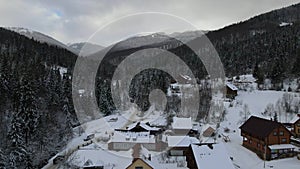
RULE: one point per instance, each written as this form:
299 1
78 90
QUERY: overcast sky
76 20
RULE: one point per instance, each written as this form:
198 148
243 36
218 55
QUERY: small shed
209 132
231 90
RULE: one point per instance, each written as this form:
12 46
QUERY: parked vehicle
58 159
89 137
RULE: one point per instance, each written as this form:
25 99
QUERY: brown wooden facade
231 93
138 163
258 134
296 128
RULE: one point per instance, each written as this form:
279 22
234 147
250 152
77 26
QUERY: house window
245 139
298 124
139 167
258 145
281 133
250 141
283 140
275 133
298 130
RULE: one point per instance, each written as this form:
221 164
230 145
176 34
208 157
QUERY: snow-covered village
136 84
255 132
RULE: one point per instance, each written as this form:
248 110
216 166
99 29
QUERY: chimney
149 157
136 151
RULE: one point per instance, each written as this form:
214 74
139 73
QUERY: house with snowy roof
179 145
231 90
126 140
142 158
268 139
183 126
296 125
208 156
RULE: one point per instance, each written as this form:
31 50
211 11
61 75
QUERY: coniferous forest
36 108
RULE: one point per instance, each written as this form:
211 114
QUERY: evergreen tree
3 159
296 67
27 109
275 117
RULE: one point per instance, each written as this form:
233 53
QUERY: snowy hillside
157 38
188 35
85 48
40 37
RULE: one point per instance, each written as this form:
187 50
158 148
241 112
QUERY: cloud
77 20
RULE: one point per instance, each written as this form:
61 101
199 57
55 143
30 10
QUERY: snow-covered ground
253 101
257 101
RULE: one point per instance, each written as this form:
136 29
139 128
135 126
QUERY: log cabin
268 139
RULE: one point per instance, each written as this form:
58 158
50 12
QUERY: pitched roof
206 157
132 137
295 119
182 123
143 161
181 141
231 86
259 127
208 132
143 125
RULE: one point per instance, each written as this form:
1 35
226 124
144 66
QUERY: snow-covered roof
133 137
159 122
143 125
231 86
295 119
186 77
285 24
182 123
81 91
282 146
207 158
90 163
84 158
181 141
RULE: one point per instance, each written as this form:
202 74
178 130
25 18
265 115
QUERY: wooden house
268 139
296 125
231 90
139 163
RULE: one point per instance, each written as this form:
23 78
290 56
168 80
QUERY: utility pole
265 155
